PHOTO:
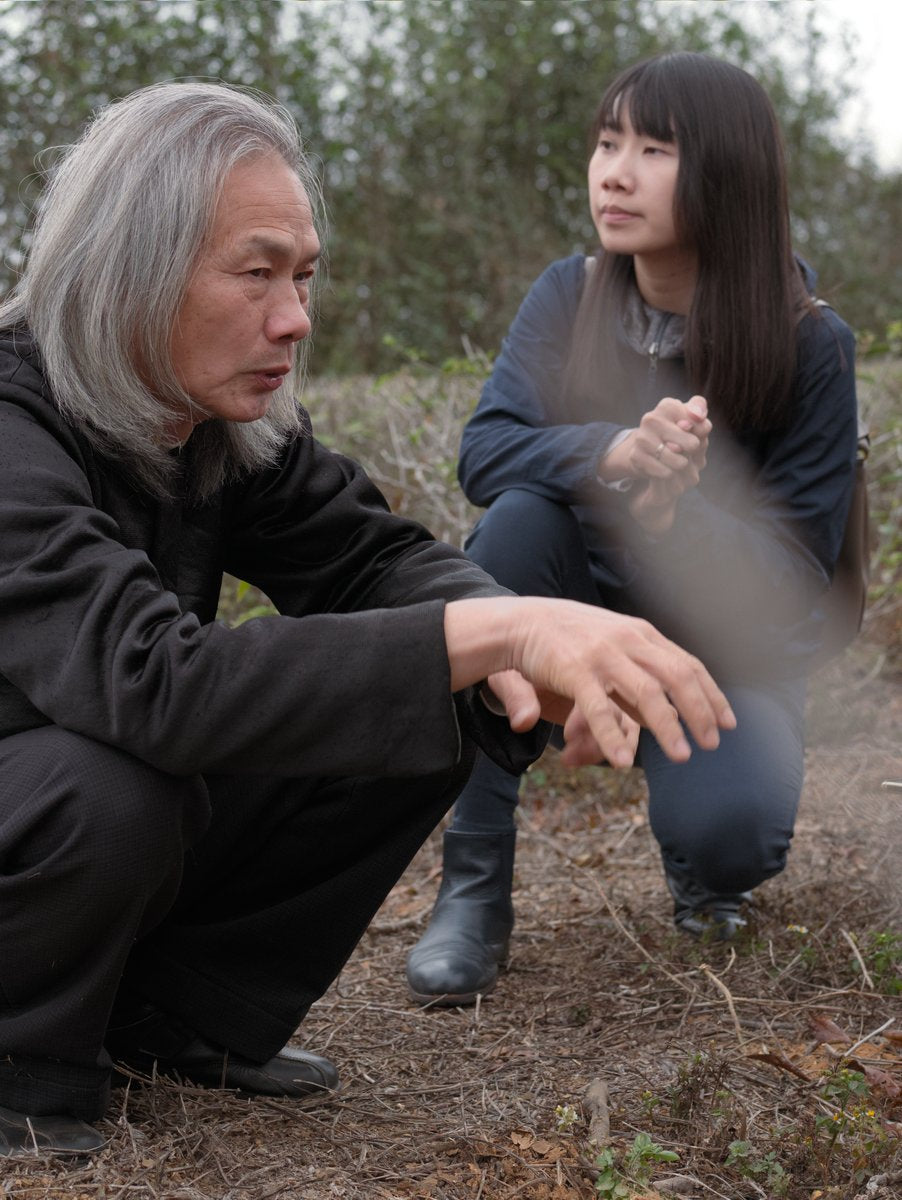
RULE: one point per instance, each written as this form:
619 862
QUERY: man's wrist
479 637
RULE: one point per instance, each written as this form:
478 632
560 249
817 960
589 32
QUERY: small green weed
650 1102
578 1014
882 956
697 1081
878 345
854 1127
239 602
760 1167
622 1176
843 1086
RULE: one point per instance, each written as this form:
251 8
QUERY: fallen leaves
825 1030
778 1059
878 1061
537 1145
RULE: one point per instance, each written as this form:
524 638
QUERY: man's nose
289 321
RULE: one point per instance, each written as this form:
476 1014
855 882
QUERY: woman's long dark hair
731 207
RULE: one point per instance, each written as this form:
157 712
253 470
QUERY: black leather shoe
152 1041
704 914
468 937
290 1073
21 1134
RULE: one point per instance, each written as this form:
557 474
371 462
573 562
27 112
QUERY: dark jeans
231 903
725 817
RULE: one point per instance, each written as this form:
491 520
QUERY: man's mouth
271 377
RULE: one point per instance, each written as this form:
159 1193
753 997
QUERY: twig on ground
865 974
868 1036
719 983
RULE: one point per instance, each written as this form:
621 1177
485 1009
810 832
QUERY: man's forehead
274 243
263 205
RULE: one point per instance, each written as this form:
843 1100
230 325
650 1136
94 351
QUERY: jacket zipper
655 347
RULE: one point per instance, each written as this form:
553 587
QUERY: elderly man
197 823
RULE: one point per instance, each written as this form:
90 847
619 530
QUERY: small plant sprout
752 1165
566 1116
882 955
619 1177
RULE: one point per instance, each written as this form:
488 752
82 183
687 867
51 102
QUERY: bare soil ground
697 1046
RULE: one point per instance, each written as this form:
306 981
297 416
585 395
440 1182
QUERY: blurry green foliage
451 138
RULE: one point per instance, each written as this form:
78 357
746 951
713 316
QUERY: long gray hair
120 228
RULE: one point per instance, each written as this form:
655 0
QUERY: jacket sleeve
333 545
316 535
760 563
352 681
518 435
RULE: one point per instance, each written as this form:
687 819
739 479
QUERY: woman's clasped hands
665 456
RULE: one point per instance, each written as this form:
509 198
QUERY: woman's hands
666 454
595 672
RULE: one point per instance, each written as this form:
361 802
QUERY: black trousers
231 903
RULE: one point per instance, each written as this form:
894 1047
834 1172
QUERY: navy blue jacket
739 577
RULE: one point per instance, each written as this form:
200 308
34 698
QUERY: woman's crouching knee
736 855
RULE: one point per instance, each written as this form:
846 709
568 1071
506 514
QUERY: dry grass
699 1046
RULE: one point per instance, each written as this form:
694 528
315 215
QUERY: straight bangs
639 92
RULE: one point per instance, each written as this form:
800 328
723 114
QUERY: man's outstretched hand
595 672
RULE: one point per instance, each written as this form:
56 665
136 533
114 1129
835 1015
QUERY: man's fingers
581 748
653 711
675 684
603 661
649 706
600 711
702 705
518 698
660 685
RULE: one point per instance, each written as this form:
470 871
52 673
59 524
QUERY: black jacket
108 600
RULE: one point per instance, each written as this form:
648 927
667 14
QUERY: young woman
668 431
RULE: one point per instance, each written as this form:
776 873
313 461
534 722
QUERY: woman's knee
728 815
730 835
532 545
737 852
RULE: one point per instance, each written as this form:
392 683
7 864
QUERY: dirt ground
608 1024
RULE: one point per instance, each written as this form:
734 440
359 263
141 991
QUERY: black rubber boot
468 937
705 914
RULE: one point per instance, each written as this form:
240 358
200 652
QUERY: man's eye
259 272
